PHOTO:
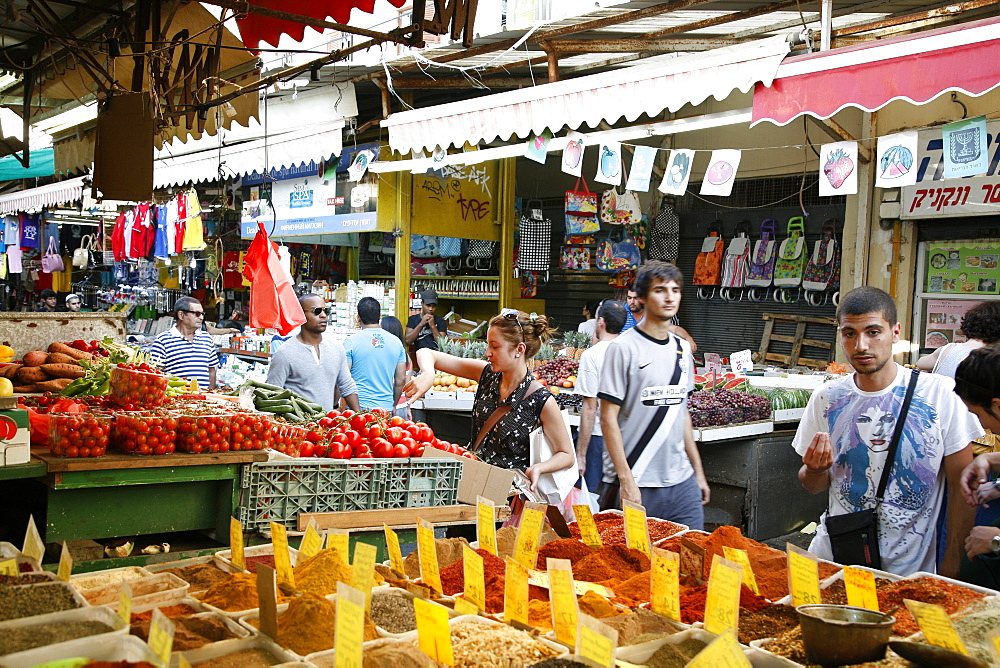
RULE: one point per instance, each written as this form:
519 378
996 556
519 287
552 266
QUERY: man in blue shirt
377 360
634 312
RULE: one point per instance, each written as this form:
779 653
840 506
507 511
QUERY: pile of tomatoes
197 433
375 434
148 433
138 385
77 435
250 431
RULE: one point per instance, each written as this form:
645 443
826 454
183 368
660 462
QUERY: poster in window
968 267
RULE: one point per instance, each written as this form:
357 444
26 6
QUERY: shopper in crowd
377 360
977 382
849 426
312 366
423 329
589 442
49 300
509 402
392 325
589 324
648 372
185 350
73 303
981 326
635 308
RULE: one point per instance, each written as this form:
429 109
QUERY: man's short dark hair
977 378
659 270
866 299
614 315
46 293
307 296
369 311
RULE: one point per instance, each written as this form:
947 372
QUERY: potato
59 358
35 358
31 374
8 370
64 370
54 385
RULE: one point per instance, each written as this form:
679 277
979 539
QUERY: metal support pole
826 24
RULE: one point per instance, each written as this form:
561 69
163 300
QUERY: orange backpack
708 265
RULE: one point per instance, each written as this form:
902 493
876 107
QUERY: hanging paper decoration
675 180
721 173
572 155
538 146
359 165
642 168
965 148
609 163
896 160
838 173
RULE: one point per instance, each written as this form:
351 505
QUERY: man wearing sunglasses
185 350
311 366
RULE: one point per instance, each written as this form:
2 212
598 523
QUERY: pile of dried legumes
475 644
611 527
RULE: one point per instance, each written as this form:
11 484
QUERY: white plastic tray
82 581
106 647
221 564
166 586
195 604
80 600
215 650
100 614
396 591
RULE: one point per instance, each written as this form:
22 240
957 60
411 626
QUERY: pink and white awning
917 68
53 194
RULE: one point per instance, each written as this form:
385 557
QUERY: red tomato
374 432
365 455
360 450
394 434
353 438
359 422
381 412
408 443
333 414
321 449
426 433
469 455
327 422
413 430
306 449
314 436
396 421
340 451
381 448
418 451
400 450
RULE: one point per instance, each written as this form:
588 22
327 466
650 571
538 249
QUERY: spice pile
693 602
236 593
26 579
18 602
245 658
640 626
307 625
953 598
127 574
320 573
975 627
38 635
199 576
393 612
495 646
675 655
178 610
256 560
611 527
769 622
449 550
190 632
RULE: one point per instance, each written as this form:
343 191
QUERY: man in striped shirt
186 350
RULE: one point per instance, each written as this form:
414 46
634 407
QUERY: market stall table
122 495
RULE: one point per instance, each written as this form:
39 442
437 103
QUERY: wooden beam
626 45
720 20
462 82
396 517
553 62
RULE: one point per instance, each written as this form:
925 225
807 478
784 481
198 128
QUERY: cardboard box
15 447
478 479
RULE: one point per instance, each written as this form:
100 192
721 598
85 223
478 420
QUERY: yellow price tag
182 662
433 630
722 604
562 600
340 540
311 543
463 607
723 652
33 545
994 645
282 558
933 620
392 545
526 549
427 550
65 564
515 592
486 525
803 577
236 543
588 527
9 567
665 596
349 626
741 557
860 585
161 636
475 581
125 604
363 570
595 646
636 530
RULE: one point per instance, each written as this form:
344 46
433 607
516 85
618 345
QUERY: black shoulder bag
854 536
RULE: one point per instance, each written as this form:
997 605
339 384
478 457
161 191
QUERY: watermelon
736 384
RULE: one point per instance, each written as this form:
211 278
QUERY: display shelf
735 431
252 354
382 277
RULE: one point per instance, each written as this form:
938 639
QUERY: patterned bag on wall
823 271
424 245
483 249
665 234
575 258
736 263
762 261
791 262
614 257
452 246
708 264
535 245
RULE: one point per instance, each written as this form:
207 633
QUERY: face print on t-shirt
875 427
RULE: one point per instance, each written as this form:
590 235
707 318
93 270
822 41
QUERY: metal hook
965 110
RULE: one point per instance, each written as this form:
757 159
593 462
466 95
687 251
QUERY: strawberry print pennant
721 173
838 169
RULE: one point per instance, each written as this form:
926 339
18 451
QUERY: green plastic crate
418 482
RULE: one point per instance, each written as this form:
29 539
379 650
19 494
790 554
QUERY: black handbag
854 536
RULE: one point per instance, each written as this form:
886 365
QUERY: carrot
69 350
54 385
59 358
64 370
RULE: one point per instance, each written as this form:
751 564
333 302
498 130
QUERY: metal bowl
834 635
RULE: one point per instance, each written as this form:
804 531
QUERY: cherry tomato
396 421
382 448
327 422
314 436
306 449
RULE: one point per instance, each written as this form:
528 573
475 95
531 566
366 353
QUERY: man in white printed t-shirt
847 430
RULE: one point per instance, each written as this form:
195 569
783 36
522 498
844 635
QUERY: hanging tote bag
424 245
629 210
452 246
823 270
762 261
581 202
535 246
52 260
665 234
81 256
575 258
708 264
615 257
791 262
375 242
481 249
736 263
609 206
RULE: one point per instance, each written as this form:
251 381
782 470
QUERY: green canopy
42 164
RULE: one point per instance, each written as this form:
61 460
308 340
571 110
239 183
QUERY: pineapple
475 350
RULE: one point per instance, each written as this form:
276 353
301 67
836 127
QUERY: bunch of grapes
723 407
557 371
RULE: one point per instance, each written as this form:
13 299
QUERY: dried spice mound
320 573
559 663
237 592
563 548
836 593
769 622
638 624
693 602
16 603
501 646
27 579
611 562
179 610
308 625
675 656
449 550
789 645
190 632
611 527
595 605
453 576
393 612
247 658
265 559
38 635
634 591
200 576
386 653
953 598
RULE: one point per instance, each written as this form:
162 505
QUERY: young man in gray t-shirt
645 381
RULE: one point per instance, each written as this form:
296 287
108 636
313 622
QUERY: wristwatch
995 545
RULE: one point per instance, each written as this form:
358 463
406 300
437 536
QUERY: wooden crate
797 340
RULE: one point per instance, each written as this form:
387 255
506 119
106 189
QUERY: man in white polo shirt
185 350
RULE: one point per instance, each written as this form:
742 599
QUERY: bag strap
797 224
50 248
896 434
586 188
661 413
767 226
498 414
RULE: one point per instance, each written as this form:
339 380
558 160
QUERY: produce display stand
122 495
35 331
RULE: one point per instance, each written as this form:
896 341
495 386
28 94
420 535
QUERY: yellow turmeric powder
236 592
308 625
595 605
320 573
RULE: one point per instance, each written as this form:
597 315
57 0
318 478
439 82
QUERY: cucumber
264 386
284 408
266 404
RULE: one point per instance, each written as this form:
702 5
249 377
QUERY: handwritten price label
311 543
392 545
515 592
65 564
860 585
282 558
803 577
363 570
722 605
596 641
340 540
475 582
588 528
433 631
161 636
743 559
486 527
427 550
933 620
636 529
33 545
9 567
125 604
563 600
236 543
723 652
665 584
349 627
526 550
463 607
